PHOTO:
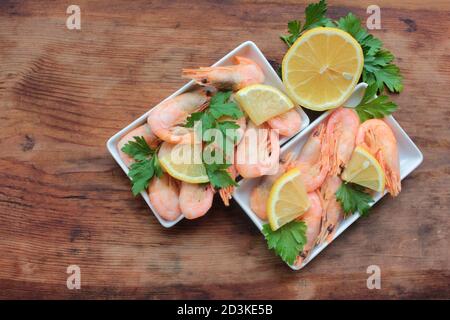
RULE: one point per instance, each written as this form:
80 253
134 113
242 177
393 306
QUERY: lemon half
322 67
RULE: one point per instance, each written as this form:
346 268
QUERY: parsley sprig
220 106
218 176
378 66
372 107
378 69
353 198
146 164
287 241
315 16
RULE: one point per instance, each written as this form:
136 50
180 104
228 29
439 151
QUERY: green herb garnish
378 66
314 17
353 198
219 106
287 241
218 176
138 148
146 164
371 107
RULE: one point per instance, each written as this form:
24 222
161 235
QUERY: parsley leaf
371 107
140 173
217 173
294 28
157 166
212 167
387 75
315 16
221 106
228 129
378 66
287 241
193 118
353 198
352 25
381 58
219 178
206 119
146 166
138 148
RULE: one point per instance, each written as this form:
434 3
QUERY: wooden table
64 201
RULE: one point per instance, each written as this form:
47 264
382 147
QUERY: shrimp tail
226 193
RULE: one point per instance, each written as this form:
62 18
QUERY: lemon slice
322 67
365 170
262 102
183 162
287 199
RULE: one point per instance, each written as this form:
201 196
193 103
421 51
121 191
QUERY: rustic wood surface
63 199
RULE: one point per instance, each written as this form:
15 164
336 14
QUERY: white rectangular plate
410 158
247 49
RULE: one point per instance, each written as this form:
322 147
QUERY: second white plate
410 158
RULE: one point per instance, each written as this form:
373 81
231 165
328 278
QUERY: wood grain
63 200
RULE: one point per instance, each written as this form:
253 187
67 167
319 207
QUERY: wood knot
412 27
78 233
28 144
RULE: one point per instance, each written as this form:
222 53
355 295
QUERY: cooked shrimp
242 74
287 124
258 153
141 131
313 220
377 137
166 118
333 212
342 126
195 199
164 193
312 161
260 193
